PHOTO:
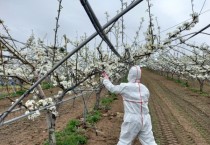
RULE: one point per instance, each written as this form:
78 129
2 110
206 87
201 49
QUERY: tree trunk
51 128
178 77
50 121
49 117
85 111
98 92
186 82
201 82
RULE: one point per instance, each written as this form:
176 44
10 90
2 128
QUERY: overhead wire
172 26
202 7
198 32
183 22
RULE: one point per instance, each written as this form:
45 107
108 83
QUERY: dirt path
179 116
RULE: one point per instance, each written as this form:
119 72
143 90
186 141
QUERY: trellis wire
21 108
32 112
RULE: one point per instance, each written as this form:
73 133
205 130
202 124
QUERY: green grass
106 101
71 135
2 96
94 117
199 92
114 96
195 90
181 82
185 84
46 85
16 94
19 93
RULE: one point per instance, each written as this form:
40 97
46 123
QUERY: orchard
38 79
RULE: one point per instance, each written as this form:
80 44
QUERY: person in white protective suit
137 121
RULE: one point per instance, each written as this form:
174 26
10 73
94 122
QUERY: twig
56 28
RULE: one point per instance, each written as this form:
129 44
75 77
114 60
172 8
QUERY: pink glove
104 74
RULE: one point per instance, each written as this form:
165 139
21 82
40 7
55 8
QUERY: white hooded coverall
137 121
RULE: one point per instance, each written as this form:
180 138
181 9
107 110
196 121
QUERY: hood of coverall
134 74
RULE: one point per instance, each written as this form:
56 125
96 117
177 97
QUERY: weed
181 82
94 117
16 94
70 138
20 92
199 92
114 96
46 85
194 90
70 135
2 96
72 125
184 84
178 81
106 101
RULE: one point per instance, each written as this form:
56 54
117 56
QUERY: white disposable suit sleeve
117 89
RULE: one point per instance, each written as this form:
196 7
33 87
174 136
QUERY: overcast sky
24 16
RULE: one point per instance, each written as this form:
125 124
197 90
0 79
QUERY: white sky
24 16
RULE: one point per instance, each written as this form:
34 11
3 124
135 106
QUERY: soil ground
179 117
